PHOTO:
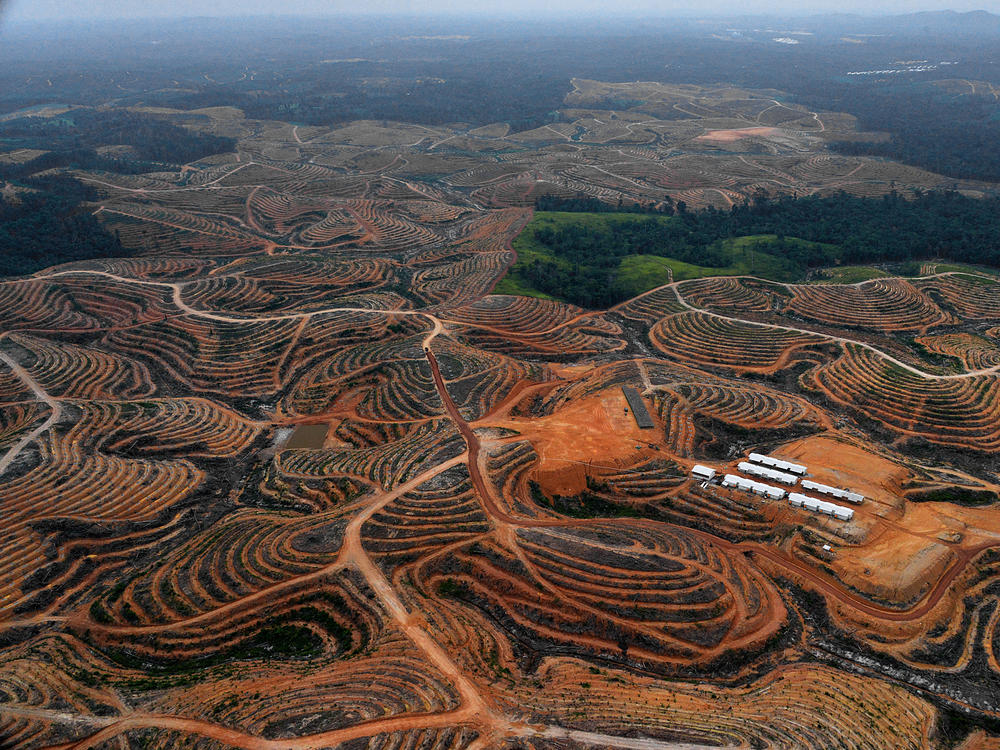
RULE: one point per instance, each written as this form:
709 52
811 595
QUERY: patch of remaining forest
600 258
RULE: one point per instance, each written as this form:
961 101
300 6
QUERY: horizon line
557 13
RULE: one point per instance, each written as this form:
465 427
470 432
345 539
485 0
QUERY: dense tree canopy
46 225
955 137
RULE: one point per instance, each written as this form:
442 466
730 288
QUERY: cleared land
468 542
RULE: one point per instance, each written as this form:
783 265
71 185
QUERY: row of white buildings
787 473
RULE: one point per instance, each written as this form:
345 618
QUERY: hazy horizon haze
53 10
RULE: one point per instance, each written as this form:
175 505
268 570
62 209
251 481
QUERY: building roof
826 489
639 411
777 463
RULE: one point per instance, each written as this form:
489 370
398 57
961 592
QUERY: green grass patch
767 256
640 273
979 280
517 287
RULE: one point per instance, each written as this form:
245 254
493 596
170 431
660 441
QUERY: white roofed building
842 513
778 463
703 472
762 471
825 489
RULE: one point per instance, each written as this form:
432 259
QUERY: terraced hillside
473 544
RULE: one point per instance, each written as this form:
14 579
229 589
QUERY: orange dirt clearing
898 567
594 432
908 545
841 464
729 136
881 481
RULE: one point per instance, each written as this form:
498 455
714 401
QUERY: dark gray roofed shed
638 406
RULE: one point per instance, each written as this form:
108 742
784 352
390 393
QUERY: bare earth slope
475 545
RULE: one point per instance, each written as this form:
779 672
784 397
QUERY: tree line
954 136
926 224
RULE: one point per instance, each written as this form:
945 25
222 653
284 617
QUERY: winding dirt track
475 709
843 340
41 395
830 587
234 738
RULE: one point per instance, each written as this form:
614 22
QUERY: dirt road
41 395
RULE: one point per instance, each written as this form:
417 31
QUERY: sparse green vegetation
957 495
588 504
847 275
449 587
277 640
964 268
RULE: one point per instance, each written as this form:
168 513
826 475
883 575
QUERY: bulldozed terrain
290 475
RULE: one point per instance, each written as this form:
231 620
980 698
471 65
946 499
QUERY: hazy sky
91 9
